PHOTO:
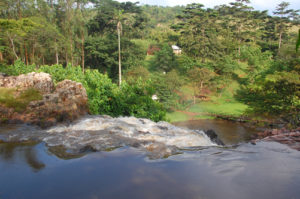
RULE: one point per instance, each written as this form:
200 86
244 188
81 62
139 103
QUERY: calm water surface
229 132
266 170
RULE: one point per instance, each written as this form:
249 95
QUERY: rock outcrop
39 81
65 102
283 136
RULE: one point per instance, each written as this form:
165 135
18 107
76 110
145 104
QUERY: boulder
66 102
283 136
39 81
214 137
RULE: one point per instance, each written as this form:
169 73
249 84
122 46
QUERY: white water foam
104 133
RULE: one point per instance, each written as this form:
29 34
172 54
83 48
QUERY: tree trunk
119 47
56 53
1 57
67 58
56 56
26 54
13 45
19 9
201 87
71 49
33 53
280 40
82 51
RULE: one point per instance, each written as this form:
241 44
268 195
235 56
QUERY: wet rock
214 137
87 149
283 136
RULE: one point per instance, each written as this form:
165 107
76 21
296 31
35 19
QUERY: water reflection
62 153
25 152
244 172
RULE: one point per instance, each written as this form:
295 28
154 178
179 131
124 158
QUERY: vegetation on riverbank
10 98
235 61
104 97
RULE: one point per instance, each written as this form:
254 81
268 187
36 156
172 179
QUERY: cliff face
65 102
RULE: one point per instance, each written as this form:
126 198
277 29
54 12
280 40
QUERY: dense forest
234 60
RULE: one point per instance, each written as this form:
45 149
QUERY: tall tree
119 30
198 29
283 12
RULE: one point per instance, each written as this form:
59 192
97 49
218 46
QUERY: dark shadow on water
25 152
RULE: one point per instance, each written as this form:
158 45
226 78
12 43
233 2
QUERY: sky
257 4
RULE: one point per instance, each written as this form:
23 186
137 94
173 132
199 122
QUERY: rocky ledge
66 101
283 136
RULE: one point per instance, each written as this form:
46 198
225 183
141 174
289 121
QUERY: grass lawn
177 116
224 104
219 104
232 109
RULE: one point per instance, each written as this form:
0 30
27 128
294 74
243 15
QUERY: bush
104 97
17 69
167 86
164 60
136 100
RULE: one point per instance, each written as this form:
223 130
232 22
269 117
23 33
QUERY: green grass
219 104
10 99
177 116
232 109
204 117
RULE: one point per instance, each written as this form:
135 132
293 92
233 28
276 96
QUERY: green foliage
136 100
185 63
60 73
109 13
104 97
298 41
18 68
200 78
133 74
102 54
166 86
276 93
164 60
257 61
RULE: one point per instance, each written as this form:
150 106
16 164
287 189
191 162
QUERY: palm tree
119 18
119 30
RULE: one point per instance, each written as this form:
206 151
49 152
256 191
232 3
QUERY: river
132 158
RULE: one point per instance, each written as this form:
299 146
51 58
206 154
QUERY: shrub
104 97
18 68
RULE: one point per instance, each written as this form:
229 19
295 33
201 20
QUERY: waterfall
99 133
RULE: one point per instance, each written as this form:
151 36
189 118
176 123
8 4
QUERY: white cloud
257 4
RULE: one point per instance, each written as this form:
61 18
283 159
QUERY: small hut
176 50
